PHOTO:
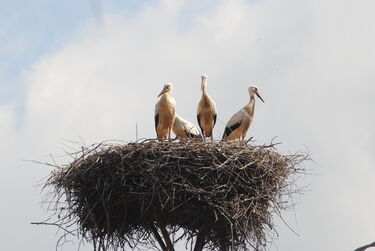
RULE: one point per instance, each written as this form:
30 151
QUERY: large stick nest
119 194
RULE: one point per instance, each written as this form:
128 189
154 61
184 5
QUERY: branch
158 238
201 239
365 247
165 234
52 224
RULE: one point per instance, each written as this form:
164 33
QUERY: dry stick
201 239
102 246
158 238
365 247
167 238
165 234
52 224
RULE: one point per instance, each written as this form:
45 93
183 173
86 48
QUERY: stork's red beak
257 93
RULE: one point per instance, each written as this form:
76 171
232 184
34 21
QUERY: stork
184 129
206 112
165 113
240 122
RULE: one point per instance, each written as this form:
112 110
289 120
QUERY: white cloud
311 61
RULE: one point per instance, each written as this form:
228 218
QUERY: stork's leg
169 134
212 137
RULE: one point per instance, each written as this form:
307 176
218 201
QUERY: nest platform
217 195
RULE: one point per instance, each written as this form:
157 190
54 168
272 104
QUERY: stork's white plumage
206 112
185 129
240 122
165 113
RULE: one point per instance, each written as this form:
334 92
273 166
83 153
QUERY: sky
88 71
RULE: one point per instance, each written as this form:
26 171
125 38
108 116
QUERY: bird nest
214 194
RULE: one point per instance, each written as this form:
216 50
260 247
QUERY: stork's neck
251 103
204 86
165 96
249 108
252 98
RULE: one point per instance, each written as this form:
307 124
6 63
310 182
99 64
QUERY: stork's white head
204 76
253 89
168 87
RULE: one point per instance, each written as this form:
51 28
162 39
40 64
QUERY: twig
365 247
165 234
158 237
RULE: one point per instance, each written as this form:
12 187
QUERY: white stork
184 129
206 112
165 113
239 123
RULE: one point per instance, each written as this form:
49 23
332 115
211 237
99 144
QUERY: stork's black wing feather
199 122
229 130
156 121
215 115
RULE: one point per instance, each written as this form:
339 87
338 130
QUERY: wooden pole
158 238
